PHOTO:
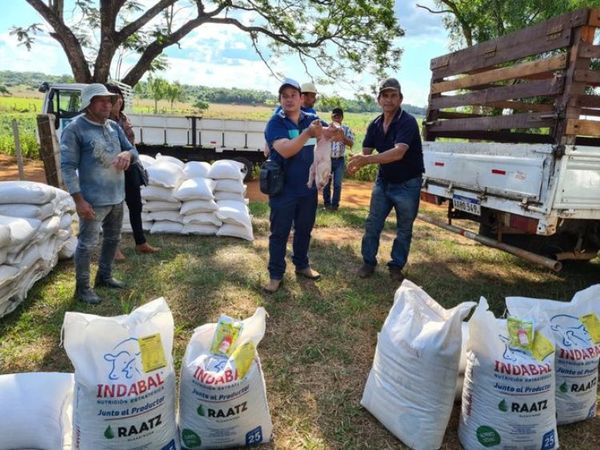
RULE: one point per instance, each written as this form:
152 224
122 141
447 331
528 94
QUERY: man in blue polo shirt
291 136
395 136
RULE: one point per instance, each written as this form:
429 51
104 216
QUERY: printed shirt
127 126
338 149
87 150
402 130
297 167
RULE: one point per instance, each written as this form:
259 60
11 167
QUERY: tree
337 35
157 88
174 92
4 90
473 21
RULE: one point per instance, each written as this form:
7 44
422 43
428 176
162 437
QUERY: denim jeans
110 220
404 198
337 175
302 213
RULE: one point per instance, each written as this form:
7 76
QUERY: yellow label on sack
153 354
592 325
542 347
243 357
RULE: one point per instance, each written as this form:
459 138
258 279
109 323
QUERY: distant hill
191 94
33 80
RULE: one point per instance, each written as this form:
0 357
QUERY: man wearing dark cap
291 136
395 136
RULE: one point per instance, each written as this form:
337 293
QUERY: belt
339 157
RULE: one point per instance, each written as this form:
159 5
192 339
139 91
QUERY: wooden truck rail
535 85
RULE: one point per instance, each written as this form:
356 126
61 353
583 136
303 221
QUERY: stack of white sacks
194 198
35 231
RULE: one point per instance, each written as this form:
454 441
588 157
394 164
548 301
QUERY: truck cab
62 100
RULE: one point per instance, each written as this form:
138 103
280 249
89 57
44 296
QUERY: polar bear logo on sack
123 360
573 332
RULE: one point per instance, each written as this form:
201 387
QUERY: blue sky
222 56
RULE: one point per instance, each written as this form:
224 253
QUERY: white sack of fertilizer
222 395
124 379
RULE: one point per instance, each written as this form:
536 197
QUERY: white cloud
222 55
45 56
243 74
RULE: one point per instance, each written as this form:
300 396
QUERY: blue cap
288 82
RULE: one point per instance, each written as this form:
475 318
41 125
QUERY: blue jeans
110 220
404 198
302 213
337 175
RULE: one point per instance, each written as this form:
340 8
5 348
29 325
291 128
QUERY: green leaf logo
487 436
564 387
108 433
190 439
200 410
502 406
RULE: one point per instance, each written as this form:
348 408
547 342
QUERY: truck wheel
249 167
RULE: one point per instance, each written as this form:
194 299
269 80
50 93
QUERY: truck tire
249 167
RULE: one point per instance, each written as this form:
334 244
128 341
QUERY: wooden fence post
18 154
49 149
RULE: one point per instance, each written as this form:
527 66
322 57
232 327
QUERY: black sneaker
365 271
396 273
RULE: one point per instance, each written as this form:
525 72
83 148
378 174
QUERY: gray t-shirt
87 150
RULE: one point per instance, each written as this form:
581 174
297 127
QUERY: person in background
94 153
133 181
395 136
338 150
291 136
309 97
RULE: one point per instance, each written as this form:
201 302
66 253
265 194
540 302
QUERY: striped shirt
338 149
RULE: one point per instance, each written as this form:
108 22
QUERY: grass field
24 105
320 337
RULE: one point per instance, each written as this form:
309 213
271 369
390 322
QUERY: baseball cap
309 87
288 82
388 84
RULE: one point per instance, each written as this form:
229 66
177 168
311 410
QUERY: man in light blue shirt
94 154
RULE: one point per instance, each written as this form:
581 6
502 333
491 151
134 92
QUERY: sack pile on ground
576 332
35 231
122 395
523 375
194 198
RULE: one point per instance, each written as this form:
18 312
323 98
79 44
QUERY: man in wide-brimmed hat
94 153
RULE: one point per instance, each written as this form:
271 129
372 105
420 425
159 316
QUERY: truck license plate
466 204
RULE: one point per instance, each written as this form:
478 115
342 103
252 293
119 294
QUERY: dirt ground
34 169
354 193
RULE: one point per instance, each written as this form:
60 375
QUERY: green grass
320 337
